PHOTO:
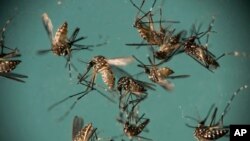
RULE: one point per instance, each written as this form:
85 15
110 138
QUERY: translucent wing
120 61
167 85
77 126
48 25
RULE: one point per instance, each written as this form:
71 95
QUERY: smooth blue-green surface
24 107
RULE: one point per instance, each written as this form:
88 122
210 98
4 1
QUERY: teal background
23 107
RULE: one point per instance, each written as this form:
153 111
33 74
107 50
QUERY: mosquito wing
123 61
165 84
77 126
48 25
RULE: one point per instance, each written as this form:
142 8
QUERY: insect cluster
121 87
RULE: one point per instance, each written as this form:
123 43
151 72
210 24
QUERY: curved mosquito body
81 132
102 65
158 74
214 130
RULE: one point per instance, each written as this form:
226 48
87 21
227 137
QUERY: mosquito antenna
231 99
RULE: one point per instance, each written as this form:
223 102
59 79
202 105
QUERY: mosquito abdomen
108 77
209 133
8 65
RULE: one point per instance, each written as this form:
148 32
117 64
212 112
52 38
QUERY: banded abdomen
8 65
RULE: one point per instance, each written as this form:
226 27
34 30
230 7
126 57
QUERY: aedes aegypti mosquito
129 87
214 130
81 132
103 65
133 125
7 64
159 75
61 45
200 53
168 43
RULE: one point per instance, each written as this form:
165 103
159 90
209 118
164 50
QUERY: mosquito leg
73 105
231 99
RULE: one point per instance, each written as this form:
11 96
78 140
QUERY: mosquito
7 64
164 38
61 45
214 130
13 52
103 65
134 125
146 29
200 53
171 45
81 132
158 74
128 86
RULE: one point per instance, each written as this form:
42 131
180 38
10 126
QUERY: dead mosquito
61 45
7 63
11 52
168 43
214 130
134 125
102 65
146 28
171 45
200 53
129 87
158 74
81 132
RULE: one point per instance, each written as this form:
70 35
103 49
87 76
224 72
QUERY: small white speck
59 2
